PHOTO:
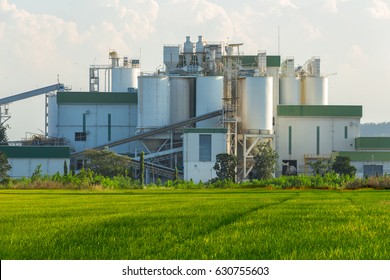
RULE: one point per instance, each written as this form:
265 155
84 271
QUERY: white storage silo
257 104
153 102
123 78
209 94
182 98
52 129
290 90
315 91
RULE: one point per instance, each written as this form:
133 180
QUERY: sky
42 41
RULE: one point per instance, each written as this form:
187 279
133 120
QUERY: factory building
211 99
199 161
307 133
24 160
91 119
371 156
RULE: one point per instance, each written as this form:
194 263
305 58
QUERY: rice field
195 224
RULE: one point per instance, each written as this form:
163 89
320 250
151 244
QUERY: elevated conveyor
31 93
157 131
157 169
17 97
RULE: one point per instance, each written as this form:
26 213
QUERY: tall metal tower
230 117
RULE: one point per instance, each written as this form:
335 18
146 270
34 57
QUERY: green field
195 224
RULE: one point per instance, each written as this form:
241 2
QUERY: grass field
194 224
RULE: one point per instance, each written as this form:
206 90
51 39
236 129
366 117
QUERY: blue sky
41 39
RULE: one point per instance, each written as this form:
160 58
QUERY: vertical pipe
290 140
171 147
46 115
318 140
109 127
84 123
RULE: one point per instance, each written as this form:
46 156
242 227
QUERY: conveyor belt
31 93
156 131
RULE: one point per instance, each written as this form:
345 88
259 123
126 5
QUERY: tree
342 166
321 166
264 161
4 167
107 163
176 175
37 174
225 167
65 168
3 133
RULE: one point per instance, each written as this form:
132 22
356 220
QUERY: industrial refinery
208 99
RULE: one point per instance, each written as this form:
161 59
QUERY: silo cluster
164 100
194 83
303 85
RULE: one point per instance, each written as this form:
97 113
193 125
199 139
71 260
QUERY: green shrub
370 182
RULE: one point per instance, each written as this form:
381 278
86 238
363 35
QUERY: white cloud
380 9
207 11
357 54
36 37
5 6
313 32
332 6
287 3
2 29
137 19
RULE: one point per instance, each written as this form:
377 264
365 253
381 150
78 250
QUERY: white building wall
25 167
304 138
123 124
195 169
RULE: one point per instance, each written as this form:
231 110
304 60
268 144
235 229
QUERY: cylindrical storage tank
315 91
209 94
52 129
153 102
290 91
257 104
182 98
123 78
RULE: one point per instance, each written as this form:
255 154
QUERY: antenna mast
278 40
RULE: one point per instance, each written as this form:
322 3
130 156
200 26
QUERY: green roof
96 98
372 143
205 130
364 156
251 60
247 60
36 151
273 60
319 111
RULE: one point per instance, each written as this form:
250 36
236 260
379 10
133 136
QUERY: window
289 167
346 132
371 170
80 136
205 147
